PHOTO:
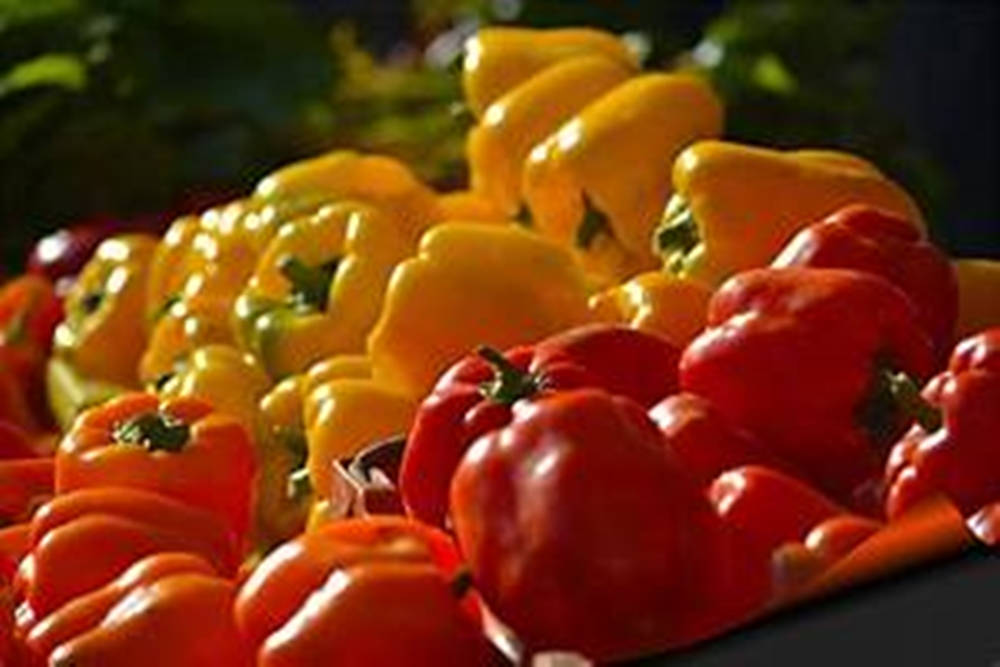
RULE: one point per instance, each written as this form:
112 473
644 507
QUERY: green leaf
15 12
63 70
771 74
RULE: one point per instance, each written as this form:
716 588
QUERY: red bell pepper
869 239
809 360
24 485
955 449
475 396
583 533
14 442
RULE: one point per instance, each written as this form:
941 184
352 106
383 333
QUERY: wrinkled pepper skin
318 287
868 239
175 447
735 206
498 59
807 360
959 457
338 594
597 184
978 286
104 531
657 302
469 285
475 396
85 612
498 146
582 533
704 442
104 332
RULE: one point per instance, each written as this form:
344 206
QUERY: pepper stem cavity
310 284
594 224
676 236
895 397
155 431
509 384
461 582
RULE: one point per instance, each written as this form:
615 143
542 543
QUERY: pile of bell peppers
636 386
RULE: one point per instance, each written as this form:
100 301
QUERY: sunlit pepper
176 447
186 326
105 329
468 206
525 115
599 183
978 290
656 301
736 205
318 288
469 285
498 59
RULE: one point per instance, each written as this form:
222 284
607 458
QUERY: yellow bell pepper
169 265
318 287
186 326
498 59
655 301
285 439
736 206
978 295
468 206
599 183
498 146
469 285
105 328
69 394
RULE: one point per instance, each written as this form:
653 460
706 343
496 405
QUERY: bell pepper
85 612
105 530
176 447
583 534
735 206
468 285
597 184
952 448
105 329
475 396
376 591
497 59
657 302
171 264
468 206
186 614
526 114
24 485
865 238
705 443
69 393
186 326
318 287
14 442
978 286
809 360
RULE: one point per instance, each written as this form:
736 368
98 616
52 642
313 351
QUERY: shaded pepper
978 286
176 447
735 205
471 284
104 332
597 183
809 360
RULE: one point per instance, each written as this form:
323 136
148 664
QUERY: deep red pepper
809 361
956 450
475 396
869 239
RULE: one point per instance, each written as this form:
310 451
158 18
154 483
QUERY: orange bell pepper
178 447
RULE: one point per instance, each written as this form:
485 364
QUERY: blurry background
138 110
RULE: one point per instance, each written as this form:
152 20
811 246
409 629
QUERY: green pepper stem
676 237
155 431
299 485
310 284
906 394
509 384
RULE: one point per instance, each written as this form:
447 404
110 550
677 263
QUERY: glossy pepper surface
511 126
175 447
978 286
318 287
468 285
868 239
362 592
497 59
475 396
808 360
735 206
104 332
954 451
582 533
598 183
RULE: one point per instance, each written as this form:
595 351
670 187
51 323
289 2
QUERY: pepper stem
895 395
310 284
155 431
907 397
675 238
509 384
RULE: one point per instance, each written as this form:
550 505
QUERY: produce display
639 385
